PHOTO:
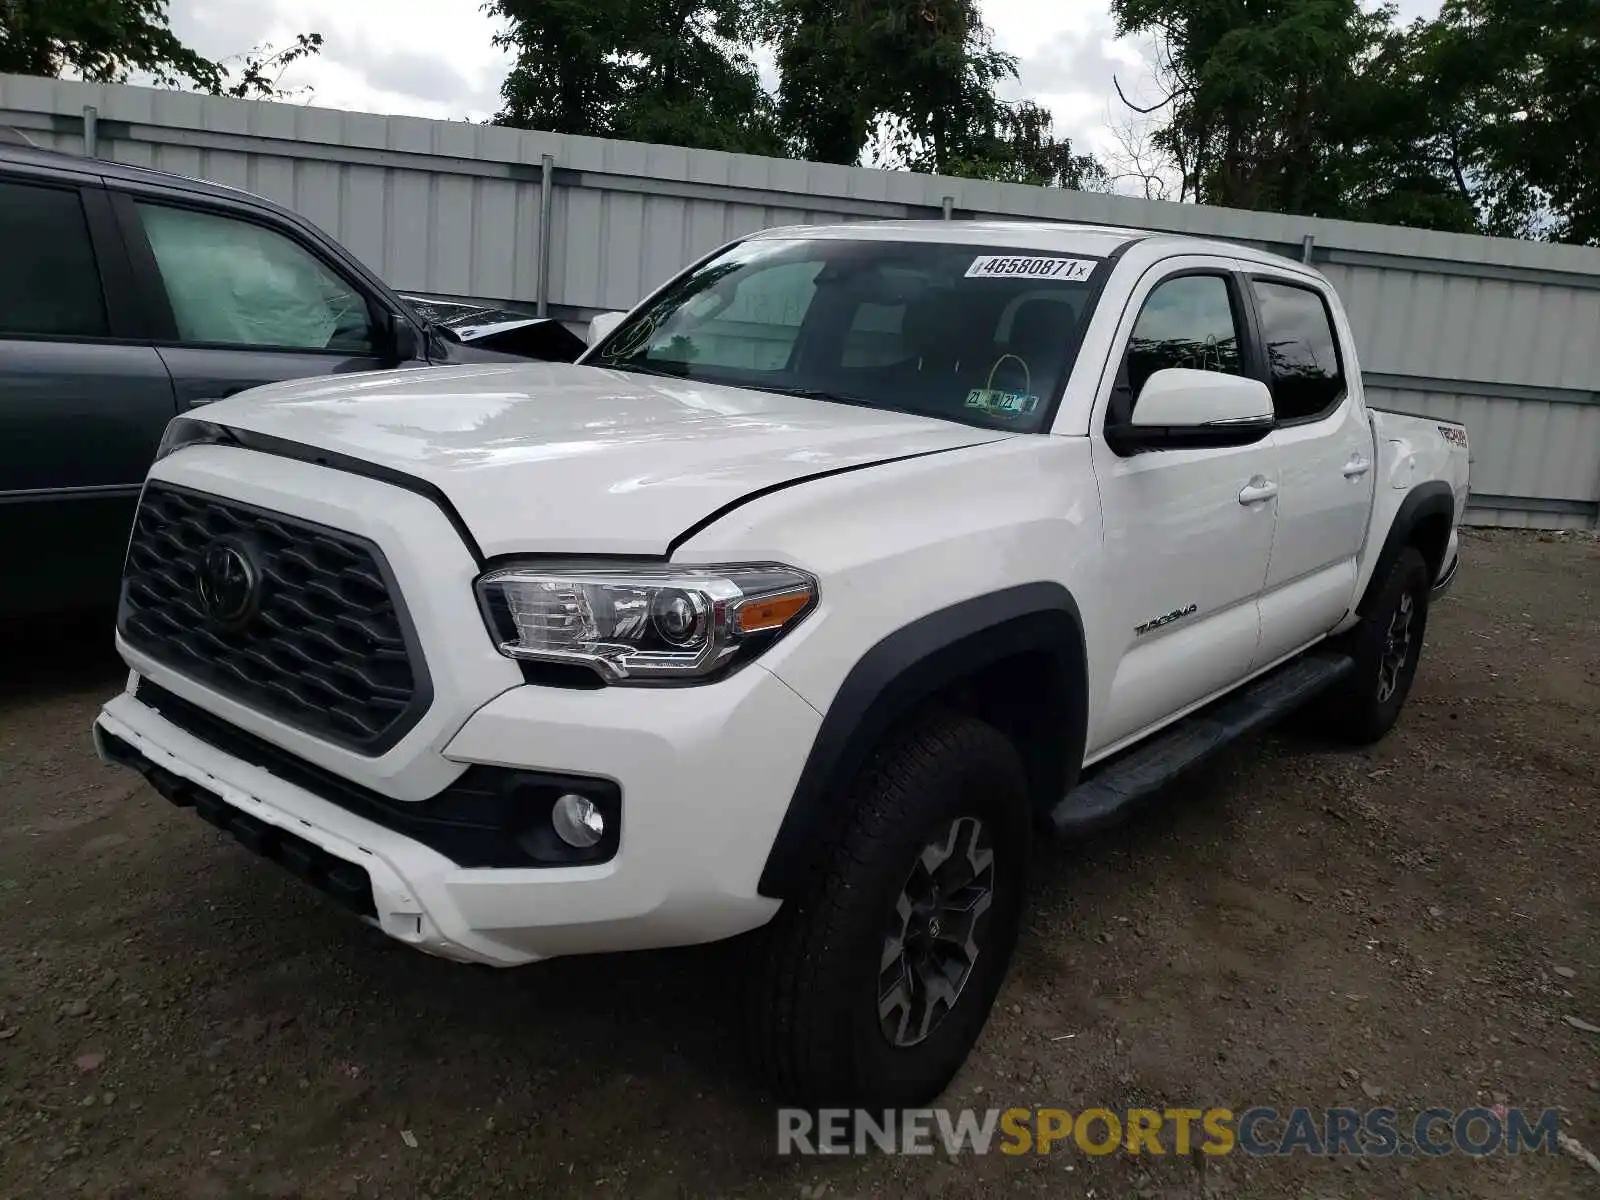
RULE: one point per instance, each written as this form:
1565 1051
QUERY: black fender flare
915 663
1433 498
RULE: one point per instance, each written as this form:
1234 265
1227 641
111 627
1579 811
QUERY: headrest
1040 327
930 322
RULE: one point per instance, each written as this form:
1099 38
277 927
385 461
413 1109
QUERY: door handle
1258 489
1357 467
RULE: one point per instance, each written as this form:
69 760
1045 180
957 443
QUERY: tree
671 71
915 80
1256 89
1521 85
261 70
103 41
1017 144
108 41
569 75
829 94
1486 119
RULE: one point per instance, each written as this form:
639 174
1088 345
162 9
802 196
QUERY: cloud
407 73
369 59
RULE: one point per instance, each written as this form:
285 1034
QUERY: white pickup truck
848 563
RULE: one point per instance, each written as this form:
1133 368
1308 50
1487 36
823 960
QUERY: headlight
186 431
644 621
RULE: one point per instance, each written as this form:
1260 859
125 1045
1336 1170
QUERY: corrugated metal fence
1502 335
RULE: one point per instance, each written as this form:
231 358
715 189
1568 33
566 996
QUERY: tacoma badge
1158 622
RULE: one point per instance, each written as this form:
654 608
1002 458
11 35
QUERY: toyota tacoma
845 566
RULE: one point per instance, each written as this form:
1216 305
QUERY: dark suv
128 296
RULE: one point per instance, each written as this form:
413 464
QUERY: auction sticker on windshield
1010 266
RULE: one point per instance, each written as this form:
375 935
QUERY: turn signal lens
770 612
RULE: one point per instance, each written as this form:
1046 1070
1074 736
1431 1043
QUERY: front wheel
875 979
1386 645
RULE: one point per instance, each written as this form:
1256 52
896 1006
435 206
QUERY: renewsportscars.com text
1259 1132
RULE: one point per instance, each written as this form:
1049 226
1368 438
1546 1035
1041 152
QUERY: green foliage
1486 119
916 78
107 41
103 41
1521 82
1260 92
261 70
1019 146
669 71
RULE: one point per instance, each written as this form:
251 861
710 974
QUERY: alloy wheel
935 935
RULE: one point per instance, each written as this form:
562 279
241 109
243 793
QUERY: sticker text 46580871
1012 266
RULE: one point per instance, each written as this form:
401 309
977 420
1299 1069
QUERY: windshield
976 334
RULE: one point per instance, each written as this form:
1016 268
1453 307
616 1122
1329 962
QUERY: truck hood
558 458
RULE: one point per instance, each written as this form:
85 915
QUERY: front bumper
705 775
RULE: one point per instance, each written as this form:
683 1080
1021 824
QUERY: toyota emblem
228 584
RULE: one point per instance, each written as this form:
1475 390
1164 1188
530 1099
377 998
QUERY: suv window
1185 322
49 283
1302 351
235 283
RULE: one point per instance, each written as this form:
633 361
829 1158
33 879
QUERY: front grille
312 632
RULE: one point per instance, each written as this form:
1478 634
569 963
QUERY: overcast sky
434 58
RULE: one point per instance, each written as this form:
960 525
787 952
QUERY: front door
1185 554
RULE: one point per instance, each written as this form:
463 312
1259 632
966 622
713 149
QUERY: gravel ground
1298 924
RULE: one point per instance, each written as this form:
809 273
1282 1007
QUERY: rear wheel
1386 645
876 978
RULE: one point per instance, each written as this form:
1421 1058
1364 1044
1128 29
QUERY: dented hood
557 458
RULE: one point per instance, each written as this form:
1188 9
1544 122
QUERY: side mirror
405 344
1183 409
600 327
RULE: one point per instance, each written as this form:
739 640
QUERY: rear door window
235 283
1302 352
49 280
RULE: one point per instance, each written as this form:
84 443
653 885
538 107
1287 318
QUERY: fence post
91 132
1307 245
949 208
547 171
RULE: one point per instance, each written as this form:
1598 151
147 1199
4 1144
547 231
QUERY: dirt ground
1297 925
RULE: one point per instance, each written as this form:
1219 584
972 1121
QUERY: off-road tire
819 1037
1367 703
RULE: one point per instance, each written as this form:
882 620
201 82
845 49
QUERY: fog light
577 821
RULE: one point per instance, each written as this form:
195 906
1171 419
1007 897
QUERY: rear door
1324 452
242 300
83 397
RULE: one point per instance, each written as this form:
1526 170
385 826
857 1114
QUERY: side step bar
1106 796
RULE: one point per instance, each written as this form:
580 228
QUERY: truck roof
1099 241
